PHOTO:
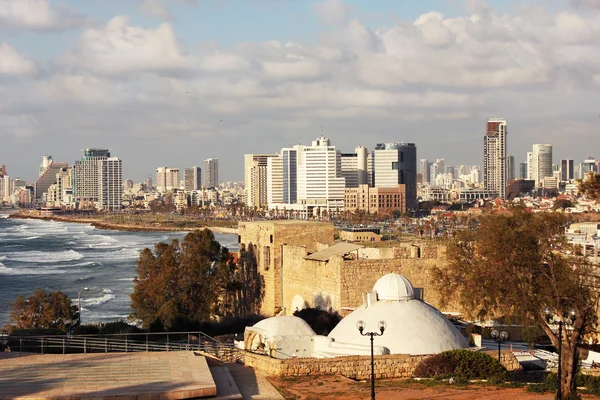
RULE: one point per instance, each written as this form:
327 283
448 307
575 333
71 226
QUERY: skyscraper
211 173
289 170
275 180
354 167
523 170
110 183
510 168
541 163
394 164
255 177
424 169
46 161
494 156
566 170
98 179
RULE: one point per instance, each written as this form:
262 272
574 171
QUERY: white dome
394 287
413 327
284 326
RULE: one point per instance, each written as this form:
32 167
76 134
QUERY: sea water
38 254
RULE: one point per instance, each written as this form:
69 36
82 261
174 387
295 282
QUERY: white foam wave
82 264
126 279
34 271
35 256
2 257
95 301
31 238
3 216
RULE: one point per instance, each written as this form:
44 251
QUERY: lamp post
569 320
499 337
85 289
361 327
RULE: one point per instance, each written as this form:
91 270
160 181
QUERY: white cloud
333 12
119 48
37 15
224 62
13 63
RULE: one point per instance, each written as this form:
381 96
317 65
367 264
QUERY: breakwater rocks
139 227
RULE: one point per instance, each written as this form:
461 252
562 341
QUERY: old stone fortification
354 367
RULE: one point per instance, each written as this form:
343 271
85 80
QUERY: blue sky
146 76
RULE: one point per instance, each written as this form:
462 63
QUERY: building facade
541 163
110 183
211 173
375 200
494 156
255 178
48 177
566 170
86 188
275 180
396 164
192 178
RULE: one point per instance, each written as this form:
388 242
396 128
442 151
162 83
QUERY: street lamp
361 327
499 337
85 289
569 320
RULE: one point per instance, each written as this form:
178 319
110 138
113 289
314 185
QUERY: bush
462 365
591 383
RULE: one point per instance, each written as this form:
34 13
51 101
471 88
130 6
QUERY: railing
129 342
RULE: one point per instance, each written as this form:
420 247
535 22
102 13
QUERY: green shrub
462 365
591 383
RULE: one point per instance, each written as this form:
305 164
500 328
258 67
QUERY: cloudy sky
173 82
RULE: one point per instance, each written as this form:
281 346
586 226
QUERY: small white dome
394 287
284 326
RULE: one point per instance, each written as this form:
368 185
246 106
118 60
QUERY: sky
173 82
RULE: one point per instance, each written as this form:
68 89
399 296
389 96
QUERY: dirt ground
337 387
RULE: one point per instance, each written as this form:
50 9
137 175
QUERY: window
271 238
267 257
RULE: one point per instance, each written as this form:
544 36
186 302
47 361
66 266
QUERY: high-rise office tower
289 170
211 173
172 179
192 179
320 173
148 183
354 167
255 177
110 183
424 169
510 168
523 170
275 180
566 170
494 156
529 160
541 163
587 166
161 179
394 164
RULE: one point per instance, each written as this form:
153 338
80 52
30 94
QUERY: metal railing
126 342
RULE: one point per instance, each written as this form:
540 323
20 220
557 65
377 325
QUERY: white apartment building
275 179
86 188
6 188
110 179
211 173
494 156
255 178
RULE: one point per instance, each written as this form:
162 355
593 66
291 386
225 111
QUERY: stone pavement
252 385
159 375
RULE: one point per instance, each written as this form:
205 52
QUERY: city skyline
176 82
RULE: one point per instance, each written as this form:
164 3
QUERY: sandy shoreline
100 224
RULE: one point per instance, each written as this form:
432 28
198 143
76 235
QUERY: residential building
2 170
255 177
566 170
161 179
211 173
394 164
375 200
110 181
172 179
86 187
541 163
494 156
6 188
46 161
275 180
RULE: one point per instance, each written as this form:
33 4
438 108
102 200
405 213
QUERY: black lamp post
361 327
568 321
499 337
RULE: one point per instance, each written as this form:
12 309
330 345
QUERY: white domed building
412 327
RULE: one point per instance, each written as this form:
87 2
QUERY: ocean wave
35 271
3 216
81 264
35 256
126 279
107 295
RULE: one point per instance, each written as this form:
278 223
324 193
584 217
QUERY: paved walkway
166 375
251 385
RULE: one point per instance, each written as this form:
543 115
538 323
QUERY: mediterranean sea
39 254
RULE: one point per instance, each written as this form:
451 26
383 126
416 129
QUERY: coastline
101 224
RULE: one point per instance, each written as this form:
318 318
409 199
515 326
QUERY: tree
43 310
519 264
590 186
181 283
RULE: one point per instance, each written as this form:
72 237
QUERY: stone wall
354 367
